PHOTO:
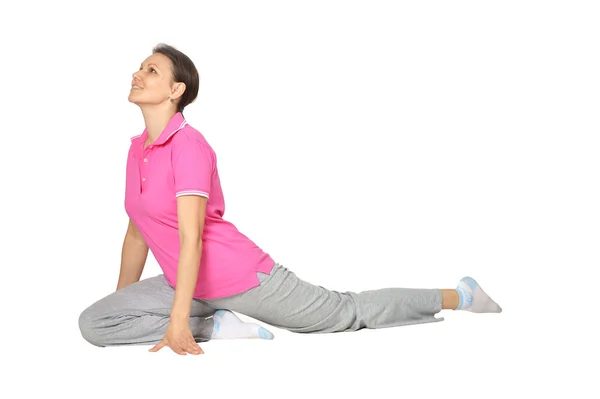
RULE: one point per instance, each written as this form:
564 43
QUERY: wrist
178 316
175 315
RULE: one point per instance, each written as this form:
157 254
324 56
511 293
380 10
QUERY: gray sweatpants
139 313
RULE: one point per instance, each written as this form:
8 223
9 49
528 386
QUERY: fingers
179 351
158 346
164 343
183 348
192 347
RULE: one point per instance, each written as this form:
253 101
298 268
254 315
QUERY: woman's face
153 83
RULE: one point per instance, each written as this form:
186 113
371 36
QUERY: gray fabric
139 314
285 301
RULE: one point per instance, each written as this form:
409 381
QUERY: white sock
228 326
473 299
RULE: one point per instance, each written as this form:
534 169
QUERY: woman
175 203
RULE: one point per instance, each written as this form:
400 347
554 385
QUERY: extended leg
285 301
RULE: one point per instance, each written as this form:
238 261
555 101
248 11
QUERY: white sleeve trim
191 192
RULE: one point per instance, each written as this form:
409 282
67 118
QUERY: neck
156 120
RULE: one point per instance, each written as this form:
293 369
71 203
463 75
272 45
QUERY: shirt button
143 179
145 159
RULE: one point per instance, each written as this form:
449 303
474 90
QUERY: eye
153 70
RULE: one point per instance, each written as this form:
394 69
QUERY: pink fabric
181 162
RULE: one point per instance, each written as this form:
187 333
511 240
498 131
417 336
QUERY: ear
177 90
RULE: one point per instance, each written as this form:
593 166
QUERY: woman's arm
191 211
193 164
133 257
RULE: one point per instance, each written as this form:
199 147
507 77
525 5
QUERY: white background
361 144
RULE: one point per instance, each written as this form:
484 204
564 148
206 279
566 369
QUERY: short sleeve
193 166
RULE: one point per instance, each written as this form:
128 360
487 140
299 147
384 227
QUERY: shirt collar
176 123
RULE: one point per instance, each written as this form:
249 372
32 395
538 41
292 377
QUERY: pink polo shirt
181 162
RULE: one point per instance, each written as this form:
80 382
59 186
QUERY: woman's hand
179 338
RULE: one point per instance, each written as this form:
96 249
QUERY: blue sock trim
264 333
217 317
470 282
468 299
460 298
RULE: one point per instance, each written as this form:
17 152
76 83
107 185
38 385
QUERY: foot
473 299
228 326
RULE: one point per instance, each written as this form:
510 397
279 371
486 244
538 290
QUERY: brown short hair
184 71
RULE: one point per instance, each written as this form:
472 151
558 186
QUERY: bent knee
89 329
